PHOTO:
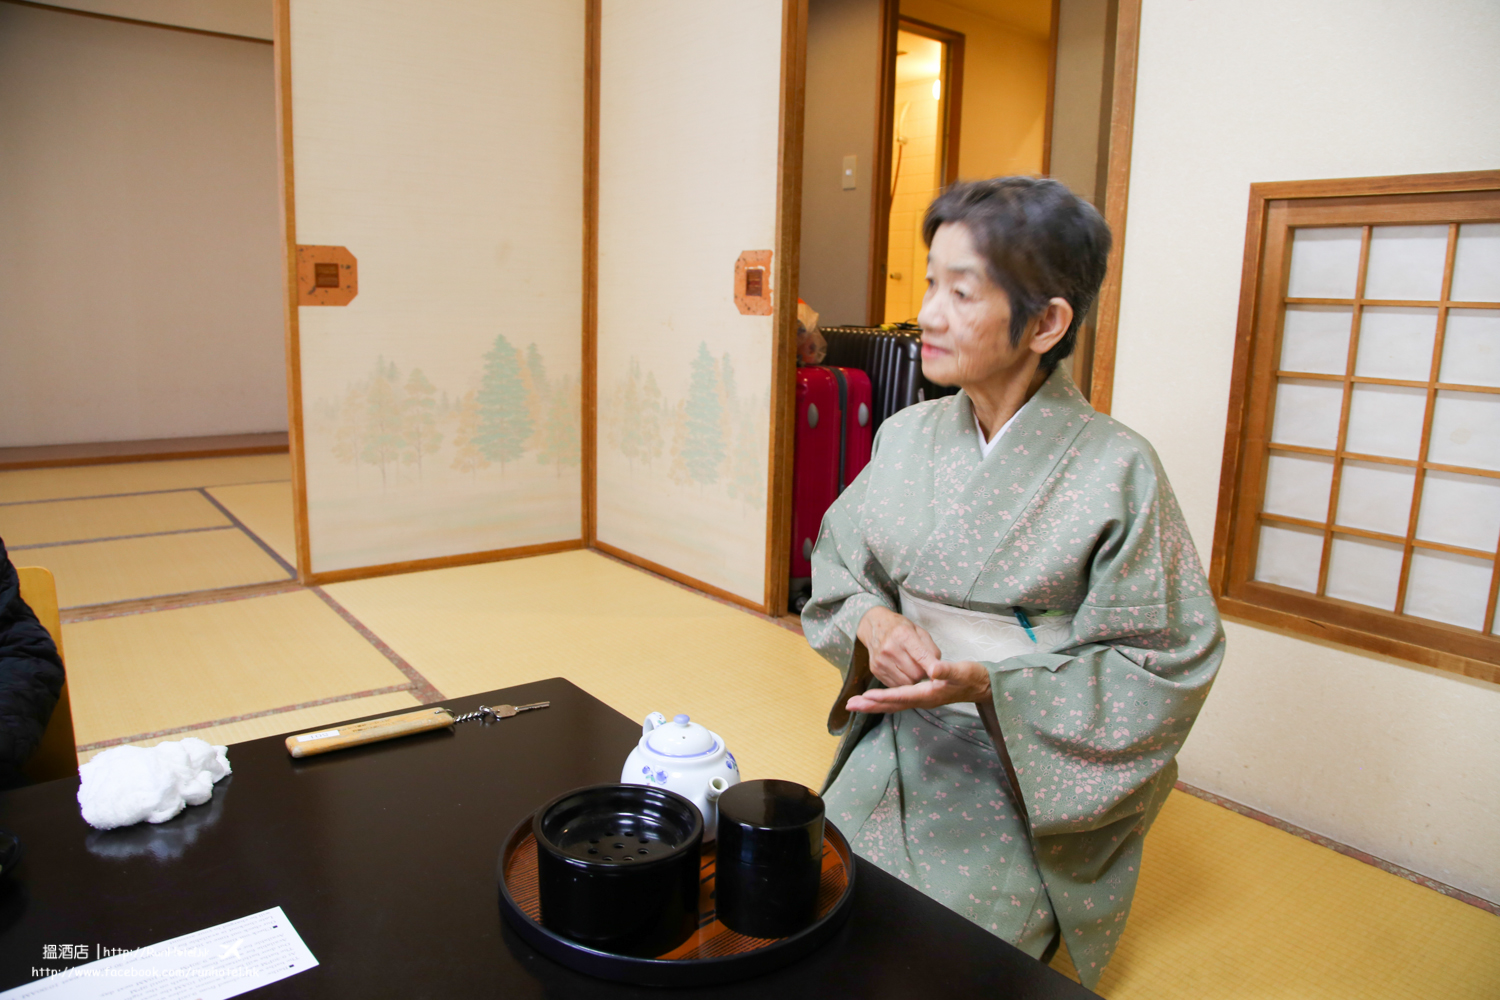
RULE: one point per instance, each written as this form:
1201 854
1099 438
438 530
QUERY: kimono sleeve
847 577
1092 727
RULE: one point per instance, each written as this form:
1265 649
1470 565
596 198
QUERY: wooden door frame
1123 54
951 103
891 22
880 166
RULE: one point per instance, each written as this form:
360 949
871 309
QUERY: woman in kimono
1010 590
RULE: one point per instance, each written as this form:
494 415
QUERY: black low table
383 857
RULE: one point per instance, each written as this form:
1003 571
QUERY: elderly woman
1009 587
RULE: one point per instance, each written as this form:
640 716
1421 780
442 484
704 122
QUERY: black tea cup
770 858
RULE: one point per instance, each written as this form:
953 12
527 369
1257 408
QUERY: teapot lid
681 737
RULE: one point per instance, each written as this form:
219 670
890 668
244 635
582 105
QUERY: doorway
924 153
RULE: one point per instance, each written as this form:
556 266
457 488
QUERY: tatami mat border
138 493
171 602
1344 849
176 730
421 688
120 538
250 534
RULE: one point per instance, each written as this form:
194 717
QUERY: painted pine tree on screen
504 418
381 442
419 420
466 454
703 433
560 446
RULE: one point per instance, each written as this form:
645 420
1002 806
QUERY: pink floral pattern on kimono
1070 513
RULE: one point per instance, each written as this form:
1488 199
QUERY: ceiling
1031 16
923 59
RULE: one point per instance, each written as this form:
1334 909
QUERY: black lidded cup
770 858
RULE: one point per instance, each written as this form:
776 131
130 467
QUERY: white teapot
686 758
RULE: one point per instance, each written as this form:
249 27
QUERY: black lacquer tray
713 954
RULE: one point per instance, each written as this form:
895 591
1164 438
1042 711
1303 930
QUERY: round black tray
714 954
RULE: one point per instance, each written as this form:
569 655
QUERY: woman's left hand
948 682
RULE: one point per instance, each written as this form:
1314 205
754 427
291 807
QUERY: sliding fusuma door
433 158
694 296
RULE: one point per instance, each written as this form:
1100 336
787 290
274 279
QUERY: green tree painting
504 420
747 462
626 429
703 444
419 433
561 445
380 444
466 454
538 396
348 433
650 426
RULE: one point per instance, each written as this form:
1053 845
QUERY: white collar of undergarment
985 447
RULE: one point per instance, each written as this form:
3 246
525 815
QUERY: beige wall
841 112
251 18
1005 89
1079 94
1397 760
139 244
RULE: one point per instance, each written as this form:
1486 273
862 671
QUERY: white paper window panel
1298 485
1316 339
1364 571
1471 347
1447 587
1325 263
1289 556
1376 497
1466 430
1307 413
1386 420
1406 262
1396 342
1476 263
1460 510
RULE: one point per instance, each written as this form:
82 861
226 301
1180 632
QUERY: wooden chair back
57 755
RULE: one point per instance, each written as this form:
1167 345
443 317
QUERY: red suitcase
833 438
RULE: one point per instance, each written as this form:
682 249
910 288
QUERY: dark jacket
31 676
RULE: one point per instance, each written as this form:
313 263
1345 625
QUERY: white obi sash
962 634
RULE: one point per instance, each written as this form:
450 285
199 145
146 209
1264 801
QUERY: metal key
493 713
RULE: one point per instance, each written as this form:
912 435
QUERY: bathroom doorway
923 155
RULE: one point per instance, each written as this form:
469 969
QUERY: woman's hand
909 664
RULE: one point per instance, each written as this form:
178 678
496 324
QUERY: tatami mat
149 672
139 477
264 508
1229 907
635 642
130 569
50 521
282 723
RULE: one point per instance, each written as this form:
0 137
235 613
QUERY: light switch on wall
851 171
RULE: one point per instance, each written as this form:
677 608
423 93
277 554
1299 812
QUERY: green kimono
1070 514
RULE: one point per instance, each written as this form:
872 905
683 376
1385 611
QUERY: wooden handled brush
424 720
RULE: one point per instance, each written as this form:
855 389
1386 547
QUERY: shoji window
1361 491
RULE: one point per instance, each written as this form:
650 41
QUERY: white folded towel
124 785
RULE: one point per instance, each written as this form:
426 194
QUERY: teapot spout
716 787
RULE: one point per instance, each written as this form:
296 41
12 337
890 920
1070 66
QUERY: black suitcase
892 357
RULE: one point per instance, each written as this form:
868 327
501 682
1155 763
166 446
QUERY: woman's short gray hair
1039 241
